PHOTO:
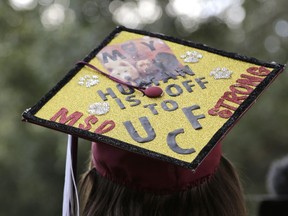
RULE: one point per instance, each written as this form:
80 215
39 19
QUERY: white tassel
70 186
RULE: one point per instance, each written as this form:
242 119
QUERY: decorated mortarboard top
205 92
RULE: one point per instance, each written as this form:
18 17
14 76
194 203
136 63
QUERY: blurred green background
40 41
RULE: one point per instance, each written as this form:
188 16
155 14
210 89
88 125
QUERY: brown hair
220 195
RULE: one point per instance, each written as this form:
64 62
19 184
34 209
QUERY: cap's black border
29 114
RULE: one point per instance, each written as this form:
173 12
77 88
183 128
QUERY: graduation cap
154 95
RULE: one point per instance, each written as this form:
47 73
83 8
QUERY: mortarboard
154 95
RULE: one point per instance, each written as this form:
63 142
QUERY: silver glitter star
99 108
88 81
191 56
221 73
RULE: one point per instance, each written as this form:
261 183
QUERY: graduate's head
120 182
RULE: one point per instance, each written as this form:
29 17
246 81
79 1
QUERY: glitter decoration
99 108
221 73
88 81
191 57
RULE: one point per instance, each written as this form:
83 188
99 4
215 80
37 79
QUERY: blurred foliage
38 47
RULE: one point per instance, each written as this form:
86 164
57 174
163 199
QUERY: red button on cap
153 92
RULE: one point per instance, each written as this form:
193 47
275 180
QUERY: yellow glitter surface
77 98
